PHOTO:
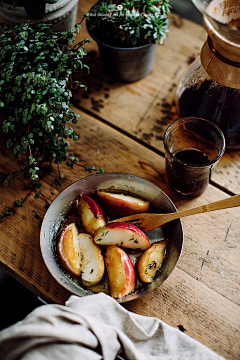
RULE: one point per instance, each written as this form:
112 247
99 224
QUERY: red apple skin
91 214
95 208
120 270
126 225
69 250
122 234
118 205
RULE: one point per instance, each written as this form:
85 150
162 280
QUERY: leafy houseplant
35 9
126 25
129 23
36 66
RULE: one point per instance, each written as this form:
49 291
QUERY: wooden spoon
148 221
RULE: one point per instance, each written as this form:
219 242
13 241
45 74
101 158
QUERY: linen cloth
96 327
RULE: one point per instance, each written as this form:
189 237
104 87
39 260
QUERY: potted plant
127 33
36 66
60 13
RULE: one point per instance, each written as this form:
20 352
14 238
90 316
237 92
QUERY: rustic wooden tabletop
121 129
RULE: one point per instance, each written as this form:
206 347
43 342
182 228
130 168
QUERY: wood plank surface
185 304
124 134
145 108
202 294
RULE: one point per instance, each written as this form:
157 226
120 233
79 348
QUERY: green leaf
100 171
36 69
37 195
18 203
9 143
58 182
46 206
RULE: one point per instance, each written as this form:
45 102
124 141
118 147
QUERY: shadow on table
16 301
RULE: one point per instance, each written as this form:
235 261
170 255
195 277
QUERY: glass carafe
211 87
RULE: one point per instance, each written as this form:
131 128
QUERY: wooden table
121 128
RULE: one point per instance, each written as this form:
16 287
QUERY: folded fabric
96 327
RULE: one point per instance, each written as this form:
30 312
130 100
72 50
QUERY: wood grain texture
185 304
145 108
202 294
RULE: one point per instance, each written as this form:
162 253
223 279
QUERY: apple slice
91 214
122 234
150 261
119 205
92 268
120 271
69 250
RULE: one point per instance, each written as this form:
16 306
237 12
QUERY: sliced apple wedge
69 250
119 205
120 271
150 261
92 268
91 214
122 234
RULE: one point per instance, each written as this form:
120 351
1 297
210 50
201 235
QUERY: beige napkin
96 327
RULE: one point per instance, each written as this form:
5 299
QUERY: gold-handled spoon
149 221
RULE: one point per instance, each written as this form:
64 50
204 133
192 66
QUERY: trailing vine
36 67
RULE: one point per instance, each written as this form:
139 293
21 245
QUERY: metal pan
60 207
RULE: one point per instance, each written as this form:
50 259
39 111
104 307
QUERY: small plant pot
127 64
62 15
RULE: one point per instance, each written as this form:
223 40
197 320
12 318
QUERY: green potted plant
60 13
36 67
127 32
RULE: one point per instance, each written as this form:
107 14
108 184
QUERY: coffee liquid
192 157
188 180
215 102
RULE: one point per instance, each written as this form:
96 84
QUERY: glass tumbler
193 147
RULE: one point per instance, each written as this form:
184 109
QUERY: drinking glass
193 147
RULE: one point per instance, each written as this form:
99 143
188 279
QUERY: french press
211 87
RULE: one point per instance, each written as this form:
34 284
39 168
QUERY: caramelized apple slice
120 270
150 261
122 234
69 250
119 205
91 214
92 268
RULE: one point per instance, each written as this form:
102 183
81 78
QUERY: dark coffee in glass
193 147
